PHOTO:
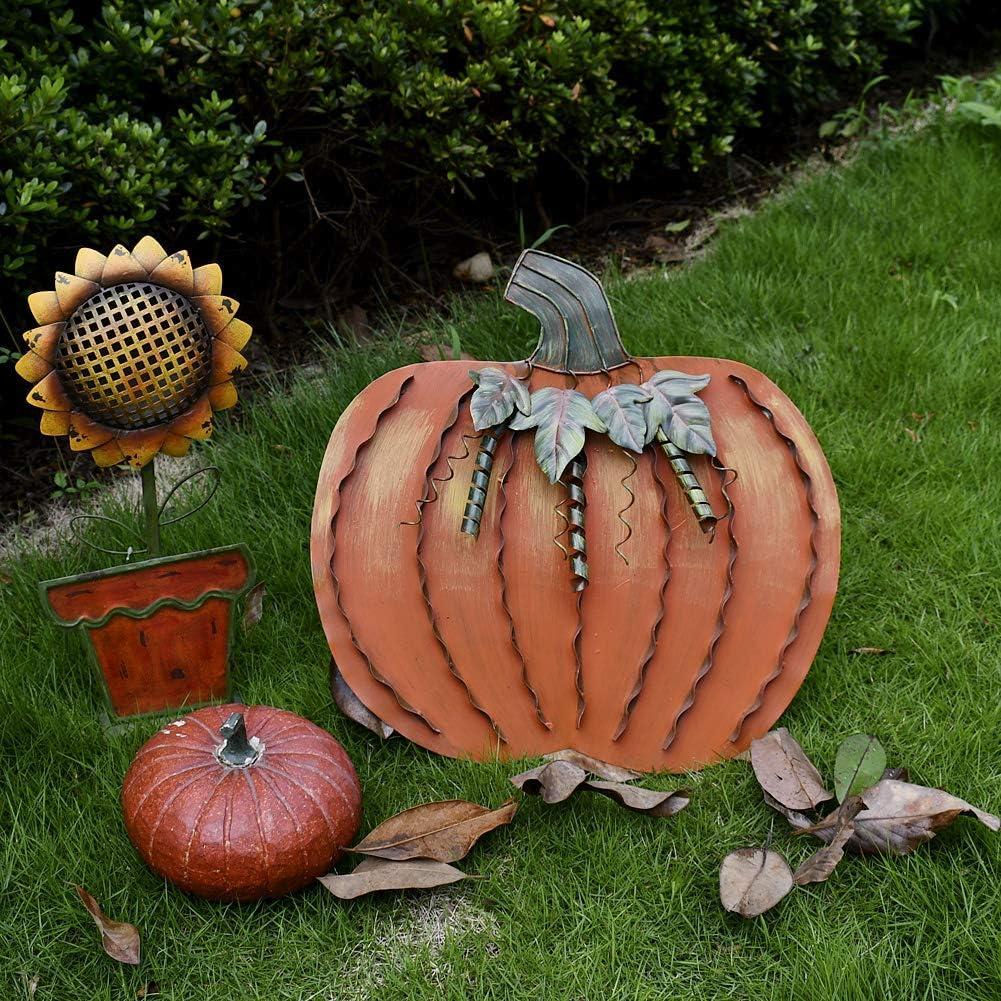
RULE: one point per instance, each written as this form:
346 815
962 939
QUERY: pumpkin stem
236 750
480 480
690 484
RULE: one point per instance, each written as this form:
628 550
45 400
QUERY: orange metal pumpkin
241 802
685 644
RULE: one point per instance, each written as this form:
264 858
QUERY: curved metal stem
151 510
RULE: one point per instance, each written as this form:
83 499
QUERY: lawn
870 294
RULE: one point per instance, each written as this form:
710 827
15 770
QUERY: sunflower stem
151 511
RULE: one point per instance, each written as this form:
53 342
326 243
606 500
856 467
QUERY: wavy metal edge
807 598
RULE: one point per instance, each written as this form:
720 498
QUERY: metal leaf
497 396
560 417
621 408
689 427
665 388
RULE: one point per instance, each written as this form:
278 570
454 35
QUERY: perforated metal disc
134 356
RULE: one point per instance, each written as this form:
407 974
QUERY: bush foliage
176 116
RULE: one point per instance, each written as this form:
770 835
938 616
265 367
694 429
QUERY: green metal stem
151 511
689 483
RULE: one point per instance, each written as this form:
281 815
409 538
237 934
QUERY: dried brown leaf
554 781
374 875
797 820
119 939
353 707
900 816
253 606
30 984
443 832
753 880
785 772
613 773
648 801
823 862
870 651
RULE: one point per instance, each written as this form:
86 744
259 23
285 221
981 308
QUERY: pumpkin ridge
198 819
273 789
212 735
422 572
153 788
720 628
313 771
648 655
505 605
807 598
337 489
248 778
301 786
169 802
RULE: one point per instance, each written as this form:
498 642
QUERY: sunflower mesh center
134 355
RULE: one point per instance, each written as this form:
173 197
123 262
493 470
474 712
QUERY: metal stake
151 510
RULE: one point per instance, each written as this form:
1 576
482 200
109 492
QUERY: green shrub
176 116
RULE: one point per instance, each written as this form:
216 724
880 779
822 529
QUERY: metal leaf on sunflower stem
561 418
674 408
497 396
621 408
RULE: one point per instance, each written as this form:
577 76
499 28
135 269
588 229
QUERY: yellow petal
236 333
109 454
71 291
32 368
121 266
44 340
175 272
175 446
226 362
208 279
148 253
85 434
195 423
49 394
139 447
223 397
89 264
216 310
45 307
54 424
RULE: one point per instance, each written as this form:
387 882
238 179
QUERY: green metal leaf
689 428
498 395
665 389
561 417
858 766
621 408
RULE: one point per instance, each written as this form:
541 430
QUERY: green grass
837 291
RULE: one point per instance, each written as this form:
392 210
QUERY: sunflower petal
223 396
148 253
175 272
139 447
45 307
195 423
109 454
71 291
49 394
121 266
32 368
54 424
236 333
226 362
44 340
85 434
175 445
89 264
216 310
208 279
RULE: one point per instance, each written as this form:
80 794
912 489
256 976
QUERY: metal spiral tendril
576 504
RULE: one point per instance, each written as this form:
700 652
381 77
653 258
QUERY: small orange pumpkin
655 600
241 802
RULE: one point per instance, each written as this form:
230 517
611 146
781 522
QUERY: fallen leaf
823 862
900 816
30 984
613 773
858 765
785 772
753 880
120 940
554 782
443 832
253 607
374 875
353 707
797 820
870 651
649 801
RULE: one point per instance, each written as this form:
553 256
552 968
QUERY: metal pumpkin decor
633 557
241 802
135 352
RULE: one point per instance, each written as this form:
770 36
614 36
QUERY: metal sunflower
135 352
